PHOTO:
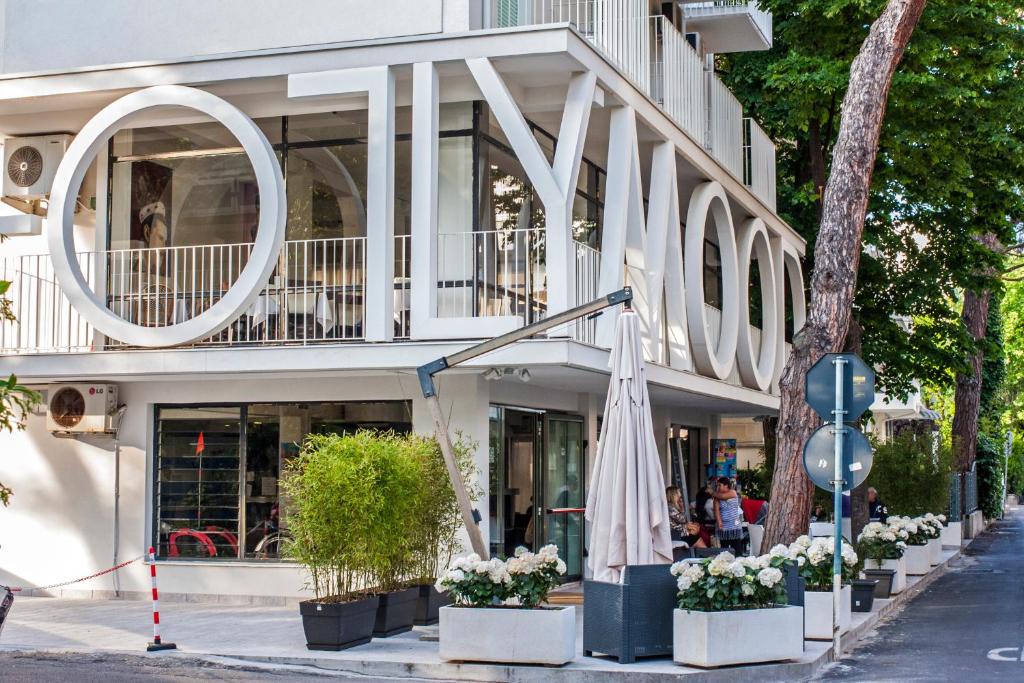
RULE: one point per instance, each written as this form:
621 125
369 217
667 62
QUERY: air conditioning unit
30 164
81 408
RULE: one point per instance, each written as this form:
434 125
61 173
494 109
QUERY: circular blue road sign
820 457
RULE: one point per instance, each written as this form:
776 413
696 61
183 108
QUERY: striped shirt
729 509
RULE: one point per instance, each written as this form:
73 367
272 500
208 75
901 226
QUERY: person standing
729 518
876 508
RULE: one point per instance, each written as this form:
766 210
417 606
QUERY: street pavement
967 626
29 667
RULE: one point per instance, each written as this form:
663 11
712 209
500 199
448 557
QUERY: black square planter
883 589
863 594
429 604
395 612
338 626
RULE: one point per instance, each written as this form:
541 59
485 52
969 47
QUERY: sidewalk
273 635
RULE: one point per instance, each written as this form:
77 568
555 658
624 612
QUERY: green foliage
990 464
949 166
436 524
1015 474
911 474
358 505
15 400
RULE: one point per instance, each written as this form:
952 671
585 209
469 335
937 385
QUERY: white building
286 209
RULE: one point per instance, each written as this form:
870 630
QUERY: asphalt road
967 626
19 667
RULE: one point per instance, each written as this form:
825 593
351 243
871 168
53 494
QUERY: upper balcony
656 56
729 25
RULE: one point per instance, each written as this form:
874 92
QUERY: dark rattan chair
632 619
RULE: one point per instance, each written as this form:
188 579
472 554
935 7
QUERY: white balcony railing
617 27
504 273
677 78
759 162
315 295
725 125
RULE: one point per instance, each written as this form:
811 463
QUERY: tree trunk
859 511
836 258
967 399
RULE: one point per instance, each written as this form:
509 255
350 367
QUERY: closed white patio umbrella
626 504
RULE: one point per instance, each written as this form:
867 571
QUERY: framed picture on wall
723 457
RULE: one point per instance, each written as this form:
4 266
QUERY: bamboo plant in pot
334 513
437 522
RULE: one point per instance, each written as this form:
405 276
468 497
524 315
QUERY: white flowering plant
534 574
526 578
931 525
814 557
880 541
725 582
475 582
915 535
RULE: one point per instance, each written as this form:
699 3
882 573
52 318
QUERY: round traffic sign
820 452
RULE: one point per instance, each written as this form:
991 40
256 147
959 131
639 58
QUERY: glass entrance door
561 490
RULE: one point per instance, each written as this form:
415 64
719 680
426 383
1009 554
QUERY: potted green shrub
397 480
727 605
334 513
498 614
814 557
437 522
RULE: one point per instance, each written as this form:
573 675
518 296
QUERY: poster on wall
723 457
150 205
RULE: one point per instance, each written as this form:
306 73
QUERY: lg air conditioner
31 163
81 408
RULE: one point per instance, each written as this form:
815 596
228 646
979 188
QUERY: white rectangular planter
899 579
510 635
708 639
917 557
953 534
818 613
935 552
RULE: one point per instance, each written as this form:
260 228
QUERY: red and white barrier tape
84 578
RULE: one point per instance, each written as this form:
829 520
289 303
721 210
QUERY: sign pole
837 506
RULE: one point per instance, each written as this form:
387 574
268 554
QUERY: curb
571 673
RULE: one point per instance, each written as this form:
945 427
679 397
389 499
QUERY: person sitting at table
676 517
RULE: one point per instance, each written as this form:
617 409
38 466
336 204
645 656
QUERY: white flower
942 518
560 567
684 582
456 575
800 561
779 551
738 570
747 589
769 577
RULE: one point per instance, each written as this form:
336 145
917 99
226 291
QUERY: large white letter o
757 370
265 250
716 362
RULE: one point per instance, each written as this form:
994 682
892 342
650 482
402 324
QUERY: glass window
712 274
218 469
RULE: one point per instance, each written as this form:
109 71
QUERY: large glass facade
217 469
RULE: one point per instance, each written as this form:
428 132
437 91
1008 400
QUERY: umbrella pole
469 515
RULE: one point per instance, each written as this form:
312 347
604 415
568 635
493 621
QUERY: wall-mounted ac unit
30 164
81 408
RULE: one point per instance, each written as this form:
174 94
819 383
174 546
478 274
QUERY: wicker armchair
630 619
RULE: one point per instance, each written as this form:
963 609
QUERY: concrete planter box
899 579
709 639
953 534
818 613
917 559
508 635
935 552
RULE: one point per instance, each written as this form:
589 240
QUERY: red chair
226 535
204 540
